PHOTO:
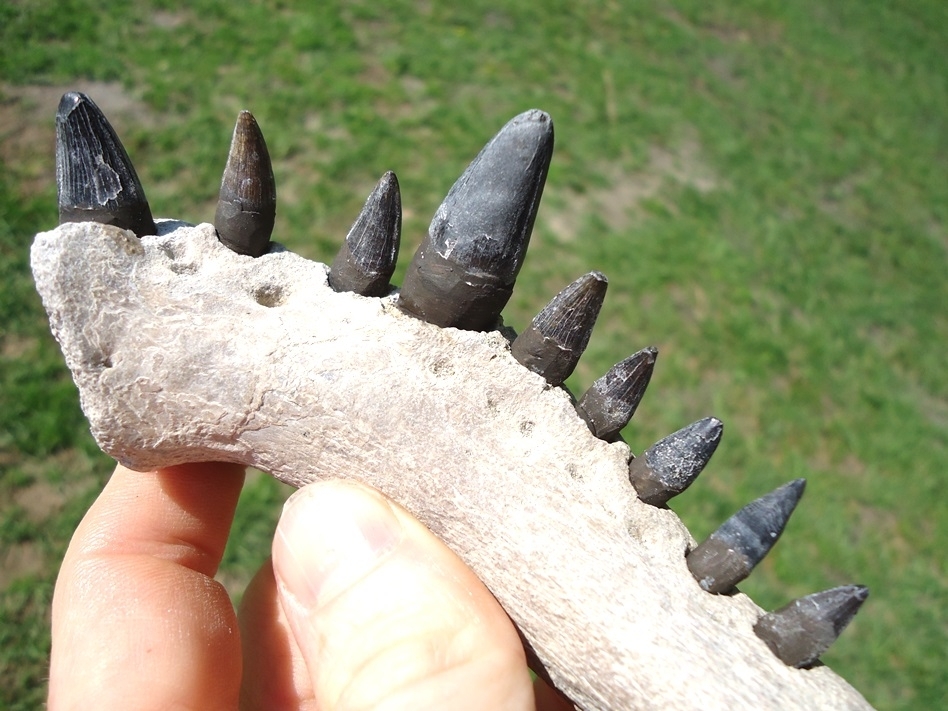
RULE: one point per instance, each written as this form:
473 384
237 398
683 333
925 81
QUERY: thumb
384 614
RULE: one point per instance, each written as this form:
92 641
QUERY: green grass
763 183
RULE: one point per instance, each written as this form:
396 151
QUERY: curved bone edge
246 207
802 630
95 178
464 270
553 343
366 261
612 400
185 351
732 552
672 464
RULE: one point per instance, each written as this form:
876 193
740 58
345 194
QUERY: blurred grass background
764 183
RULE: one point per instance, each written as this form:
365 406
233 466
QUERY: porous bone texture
185 351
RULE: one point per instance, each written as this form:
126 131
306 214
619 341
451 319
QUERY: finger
275 676
138 621
384 614
549 699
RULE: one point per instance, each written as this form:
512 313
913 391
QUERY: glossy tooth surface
246 209
669 466
366 261
611 401
95 178
729 554
464 271
553 343
801 631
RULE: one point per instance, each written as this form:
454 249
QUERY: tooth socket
95 178
366 261
555 340
801 631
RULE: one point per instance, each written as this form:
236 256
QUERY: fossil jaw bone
186 351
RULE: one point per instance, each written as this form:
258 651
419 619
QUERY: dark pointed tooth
611 401
802 630
367 259
729 554
669 466
246 208
557 337
463 273
96 180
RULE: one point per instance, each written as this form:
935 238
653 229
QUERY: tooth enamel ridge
184 350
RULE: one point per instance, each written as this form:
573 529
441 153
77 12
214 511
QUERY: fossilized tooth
95 178
246 208
611 401
367 259
669 466
557 337
801 631
729 554
463 273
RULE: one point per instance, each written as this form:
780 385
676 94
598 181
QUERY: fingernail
331 535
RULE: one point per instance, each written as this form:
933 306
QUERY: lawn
762 182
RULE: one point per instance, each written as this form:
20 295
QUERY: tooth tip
556 338
610 402
366 261
463 273
95 178
732 552
802 630
672 464
246 207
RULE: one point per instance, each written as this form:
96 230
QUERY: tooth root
729 554
611 401
669 466
553 343
464 271
801 631
95 178
246 209
366 261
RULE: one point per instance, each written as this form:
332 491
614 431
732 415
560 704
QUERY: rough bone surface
185 351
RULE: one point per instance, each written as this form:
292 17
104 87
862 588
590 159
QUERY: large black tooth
729 554
464 271
96 180
669 466
801 631
246 208
611 401
366 261
553 343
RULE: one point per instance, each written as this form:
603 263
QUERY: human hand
360 607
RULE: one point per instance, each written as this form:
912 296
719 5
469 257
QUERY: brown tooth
366 261
669 466
611 401
96 180
464 271
553 343
729 554
246 209
801 631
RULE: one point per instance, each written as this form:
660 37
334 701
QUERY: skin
359 607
